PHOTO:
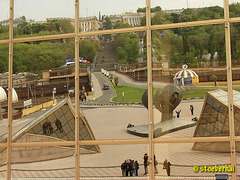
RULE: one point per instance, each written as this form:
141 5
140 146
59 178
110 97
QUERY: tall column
10 72
149 78
77 157
230 90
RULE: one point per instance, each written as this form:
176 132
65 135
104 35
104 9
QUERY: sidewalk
97 91
127 81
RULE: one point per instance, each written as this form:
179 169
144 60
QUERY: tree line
43 55
181 45
194 44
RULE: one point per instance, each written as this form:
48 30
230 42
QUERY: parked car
105 86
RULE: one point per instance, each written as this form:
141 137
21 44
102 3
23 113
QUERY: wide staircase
106 58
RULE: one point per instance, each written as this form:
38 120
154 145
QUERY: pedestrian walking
166 165
191 109
178 113
145 162
59 125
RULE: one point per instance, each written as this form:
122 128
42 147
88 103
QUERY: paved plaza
110 122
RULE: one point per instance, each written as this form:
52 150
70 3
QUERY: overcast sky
42 9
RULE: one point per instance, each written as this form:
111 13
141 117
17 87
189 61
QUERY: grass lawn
196 92
132 94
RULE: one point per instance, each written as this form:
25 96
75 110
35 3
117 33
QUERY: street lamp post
66 91
42 98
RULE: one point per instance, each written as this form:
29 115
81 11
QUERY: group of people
130 168
191 109
146 163
82 95
48 129
166 164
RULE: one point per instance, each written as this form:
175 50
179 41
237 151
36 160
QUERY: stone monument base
162 128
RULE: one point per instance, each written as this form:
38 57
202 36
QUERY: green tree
155 9
127 47
37 27
122 55
3 58
141 9
107 24
65 26
214 79
119 25
88 49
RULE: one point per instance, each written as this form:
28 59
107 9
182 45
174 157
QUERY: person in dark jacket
127 167
123 168
131 167
166 165
191 109
136 168
145 162
155 164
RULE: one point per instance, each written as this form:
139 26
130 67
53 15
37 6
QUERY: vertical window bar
149 80
230 90
10 72
77 158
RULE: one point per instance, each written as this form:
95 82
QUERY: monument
166 99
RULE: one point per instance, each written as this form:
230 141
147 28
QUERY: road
106 94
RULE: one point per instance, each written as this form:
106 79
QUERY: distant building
88 24
65 77
113 19
39 22
16 22
133 19
19 79
175 11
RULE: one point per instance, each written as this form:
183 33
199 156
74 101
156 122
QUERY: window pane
182 57
3 167
3 107
235 72
166 12
45 60
108 162
117 98
43 162
184 158
109 13
4 20
30 20
233 8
